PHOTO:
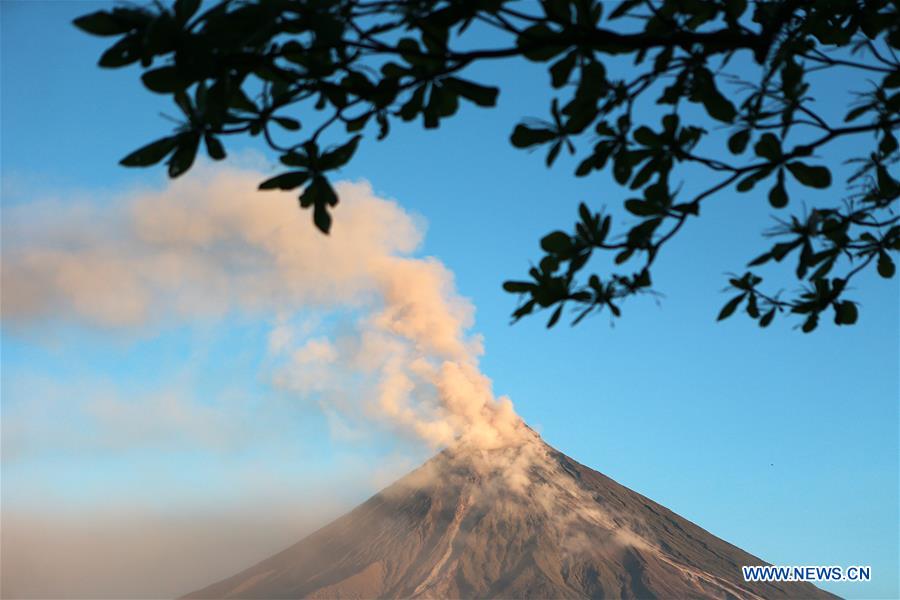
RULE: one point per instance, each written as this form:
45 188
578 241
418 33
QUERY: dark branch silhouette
359 67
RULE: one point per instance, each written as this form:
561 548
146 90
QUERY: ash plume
396 345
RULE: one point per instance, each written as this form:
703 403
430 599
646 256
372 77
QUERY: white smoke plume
392 337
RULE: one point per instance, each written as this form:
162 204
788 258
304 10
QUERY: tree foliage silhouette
359 66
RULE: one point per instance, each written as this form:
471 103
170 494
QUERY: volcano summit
522 521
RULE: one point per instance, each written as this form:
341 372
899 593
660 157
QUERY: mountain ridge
522 521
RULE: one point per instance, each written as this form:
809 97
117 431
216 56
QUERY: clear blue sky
782 443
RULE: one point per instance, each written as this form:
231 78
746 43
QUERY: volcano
523 521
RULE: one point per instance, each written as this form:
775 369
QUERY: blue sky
782 443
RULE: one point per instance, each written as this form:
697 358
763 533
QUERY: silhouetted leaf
646 136
539 43
778 197
811 322
285 181
888 143
518 287
124 52
214 147
523 310
761 259
752 308
892 80
640 207
886 267
845 313
642 279
163 80
319 191
319 195
585 213
481 95
717 105
413 105
553 153
524 136
557 242
857 112
555 317
562 70
641 235
730 307
184 155
747 184
817 177
643 176
549 264
623 256
737 143
688 208
101 23
288 123
322 218
768 147
339 156
150 154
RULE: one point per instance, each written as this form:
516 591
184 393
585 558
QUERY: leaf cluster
299 72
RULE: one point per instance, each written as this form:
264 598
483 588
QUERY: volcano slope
524 521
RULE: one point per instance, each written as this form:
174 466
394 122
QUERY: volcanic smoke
210 244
